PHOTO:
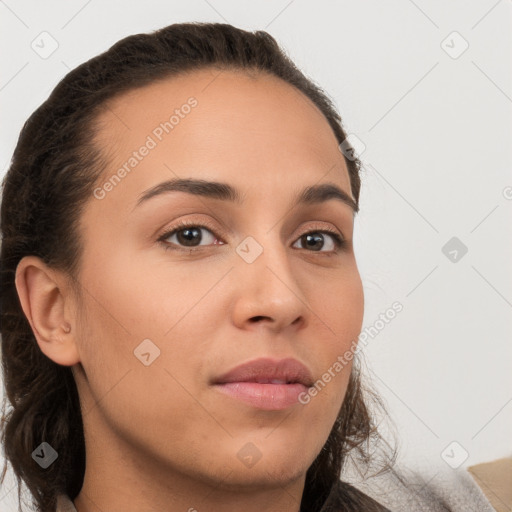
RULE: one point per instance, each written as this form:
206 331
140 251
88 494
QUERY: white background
437 136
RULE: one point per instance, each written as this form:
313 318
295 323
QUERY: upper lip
265 369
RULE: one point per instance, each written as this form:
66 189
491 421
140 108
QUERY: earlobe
43 302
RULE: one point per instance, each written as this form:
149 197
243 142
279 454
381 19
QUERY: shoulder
482 488
344 497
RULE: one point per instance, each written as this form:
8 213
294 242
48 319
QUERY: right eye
189 235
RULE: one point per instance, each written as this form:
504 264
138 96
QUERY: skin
160 435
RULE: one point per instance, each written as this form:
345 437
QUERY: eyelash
338 240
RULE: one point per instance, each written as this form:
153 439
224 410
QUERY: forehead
244 128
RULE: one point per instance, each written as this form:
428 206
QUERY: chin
265 475
282 465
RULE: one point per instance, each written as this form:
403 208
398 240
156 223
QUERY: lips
266 383
266 371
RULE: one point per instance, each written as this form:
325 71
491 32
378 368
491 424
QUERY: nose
267 293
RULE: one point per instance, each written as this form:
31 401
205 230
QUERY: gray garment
440 489
453 490
64 504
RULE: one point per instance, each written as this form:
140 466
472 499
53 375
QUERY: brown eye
315 241
189 236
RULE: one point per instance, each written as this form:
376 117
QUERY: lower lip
270 397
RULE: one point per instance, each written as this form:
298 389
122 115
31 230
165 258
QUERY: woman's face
164 318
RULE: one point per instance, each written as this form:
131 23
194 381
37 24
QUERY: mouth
266 383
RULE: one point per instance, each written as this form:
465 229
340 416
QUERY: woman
180 296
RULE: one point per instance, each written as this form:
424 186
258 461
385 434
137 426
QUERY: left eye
312 238
189 236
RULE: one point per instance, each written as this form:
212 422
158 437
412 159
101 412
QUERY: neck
120 477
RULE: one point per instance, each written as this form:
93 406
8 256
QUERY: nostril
257 318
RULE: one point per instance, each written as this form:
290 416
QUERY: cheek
338 307
339 311
146 297
139 400
136 313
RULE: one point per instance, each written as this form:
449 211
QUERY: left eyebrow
314 194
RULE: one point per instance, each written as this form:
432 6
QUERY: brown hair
52 173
